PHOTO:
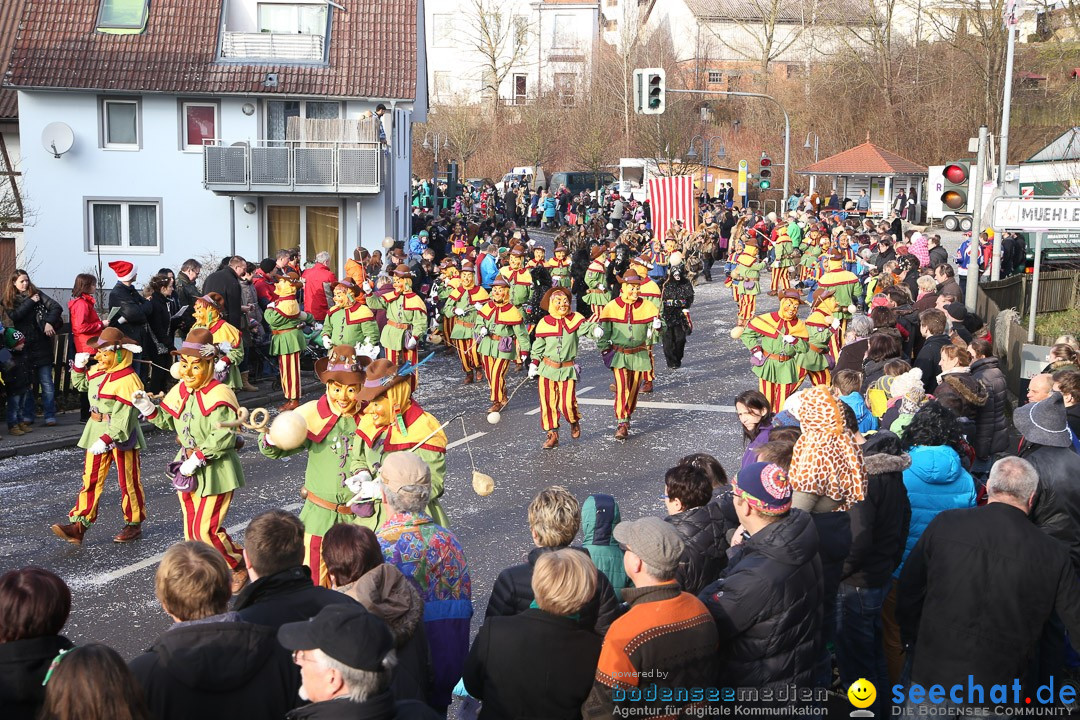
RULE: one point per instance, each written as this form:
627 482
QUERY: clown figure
775 340
208 314
745 280
461 306
502 339
597 294
331 433
112 434
406 319
649 291
350 321
559 267
821 327
285 317
206 470
846 288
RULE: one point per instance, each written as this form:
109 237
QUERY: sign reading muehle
1030 215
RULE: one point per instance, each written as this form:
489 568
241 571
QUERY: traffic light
765 172
649 90
954 186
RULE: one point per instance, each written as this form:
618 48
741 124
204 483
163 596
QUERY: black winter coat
676 297
226 282
218 671
512 594
879 524
938 256
962 393
975 593
768 607
532 665
135 311
159 321
380 707
29 318
851 356
284 597
929 361
991 421
185 294
1057 500
23 664
704 553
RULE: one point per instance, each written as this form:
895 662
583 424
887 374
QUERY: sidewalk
69 428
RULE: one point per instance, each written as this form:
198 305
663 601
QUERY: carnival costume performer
821 327
112 434
285 317
784 258
809 265
206 470
554 361
559 267
350 321
847 290
208 313
406 320
774 340
745 280
628 327
331 432
392 422
449 280
649 291
462 306
503 338
596 293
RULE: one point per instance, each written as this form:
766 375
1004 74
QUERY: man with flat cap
346 657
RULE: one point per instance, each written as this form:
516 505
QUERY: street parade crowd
892 519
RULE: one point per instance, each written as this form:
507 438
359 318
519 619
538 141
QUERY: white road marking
108 577
692 407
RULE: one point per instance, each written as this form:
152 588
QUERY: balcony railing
289 167
272 46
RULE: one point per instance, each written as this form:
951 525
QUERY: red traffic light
953 199
956 174
765 161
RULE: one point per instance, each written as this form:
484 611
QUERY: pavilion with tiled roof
882 173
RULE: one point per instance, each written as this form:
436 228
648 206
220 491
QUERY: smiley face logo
862 693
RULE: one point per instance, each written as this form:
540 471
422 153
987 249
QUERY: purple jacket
750 456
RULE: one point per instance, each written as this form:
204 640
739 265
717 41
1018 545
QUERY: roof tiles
865 159
373 52
10 11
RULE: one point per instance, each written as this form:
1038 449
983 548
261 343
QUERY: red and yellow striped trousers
289 366
558 397
776 393
95 471
781 278
400 357
495 370
447 328
466 351
627 384
817 377
747 307
650 374
204 520
313 559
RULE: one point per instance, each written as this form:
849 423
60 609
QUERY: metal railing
276 166
272 46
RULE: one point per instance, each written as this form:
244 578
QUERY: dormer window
276 31
123 17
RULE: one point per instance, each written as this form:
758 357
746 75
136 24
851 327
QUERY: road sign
1027 192
1031 215
741 190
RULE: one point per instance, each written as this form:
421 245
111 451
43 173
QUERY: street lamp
435 141
706 145
806 145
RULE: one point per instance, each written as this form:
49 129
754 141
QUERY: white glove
460 312
776 263
835 323
271 304
656 323
598 332
220 366
121 320
411 343
601 287
482 331
789 339
355 482
189 466
326 342
852 309
367 350
265 437
758 355
478 306
369 490
81 359
533 371
99 447
143 403
366 287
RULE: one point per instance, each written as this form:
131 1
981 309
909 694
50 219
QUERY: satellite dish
57 138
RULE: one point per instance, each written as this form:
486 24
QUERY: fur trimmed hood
882 463
967 387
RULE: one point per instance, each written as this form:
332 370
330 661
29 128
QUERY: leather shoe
71 532
479 374
289 405
129 533
575 430
496 407
646 387
622 431
468 378
552 440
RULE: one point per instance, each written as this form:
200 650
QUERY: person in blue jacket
417 245
489 266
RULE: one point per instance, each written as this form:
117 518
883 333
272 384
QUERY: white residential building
535 48
208 128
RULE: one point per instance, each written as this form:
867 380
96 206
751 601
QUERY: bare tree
500 38
538 131
763 31
464 129
593 143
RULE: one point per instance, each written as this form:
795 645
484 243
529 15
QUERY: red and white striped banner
672 198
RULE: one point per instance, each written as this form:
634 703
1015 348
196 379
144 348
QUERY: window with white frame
120 124
565 86
129 225
198 122
521 89
715 76
442 31
291 19
123 15
441 85
566 32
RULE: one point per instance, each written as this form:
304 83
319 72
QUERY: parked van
577 182
532 181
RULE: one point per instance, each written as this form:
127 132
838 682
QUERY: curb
70 439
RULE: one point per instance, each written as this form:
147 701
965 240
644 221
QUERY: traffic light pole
787 120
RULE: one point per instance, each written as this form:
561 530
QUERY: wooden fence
1057 291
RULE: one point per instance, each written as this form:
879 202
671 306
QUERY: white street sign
1030 215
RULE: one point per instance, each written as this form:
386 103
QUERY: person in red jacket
263 282
85 324
316 279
